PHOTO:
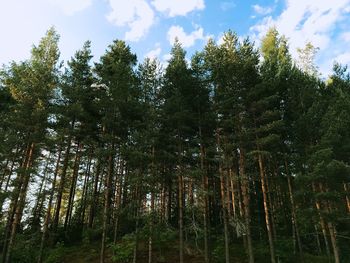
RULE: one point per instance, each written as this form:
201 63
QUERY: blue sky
150 26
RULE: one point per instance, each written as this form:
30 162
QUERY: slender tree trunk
2 179
245 195
49 207
85 191
107 195
294 217
347 197
322 223
224 215
151 222
73 186
333 236
205 202
14 200
181 224
95 192
318 243
21 203
40 198
10 171
266 208
331 228
118 200
61 186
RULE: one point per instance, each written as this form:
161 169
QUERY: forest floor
91 255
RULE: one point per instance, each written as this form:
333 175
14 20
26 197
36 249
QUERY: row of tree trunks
8 173
49 208
73 186
18 202
293 212
62 184
245 193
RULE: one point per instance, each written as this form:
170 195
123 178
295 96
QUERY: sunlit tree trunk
266 208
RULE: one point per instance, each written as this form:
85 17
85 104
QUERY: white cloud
305 21
345 36
70 7
187 40
262 10
135 14
154 53
227 5
343 58
178 7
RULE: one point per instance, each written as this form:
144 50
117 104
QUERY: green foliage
123 251
57 254
140 128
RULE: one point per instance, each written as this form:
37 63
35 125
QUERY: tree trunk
294 217
347 197
21 203
72 188
61 186
322 223
95 192
10 171
224 215
49 207
266 208
245 195
40 198
205 202
106 212
151 222
85 192
14 200
181 224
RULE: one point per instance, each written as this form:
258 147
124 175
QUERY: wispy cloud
343 58
70 7
346 36
137 15
154 53
227 5
179 7
262 10
187 40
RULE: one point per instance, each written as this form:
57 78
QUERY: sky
150 26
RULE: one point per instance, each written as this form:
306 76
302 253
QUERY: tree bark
61 186
245 195
224 215
266 208
294 217
49 207
73 186
107 203
181 224
21 203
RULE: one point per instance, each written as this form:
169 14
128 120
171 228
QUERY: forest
238 154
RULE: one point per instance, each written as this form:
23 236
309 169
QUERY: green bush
57 254
123 251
